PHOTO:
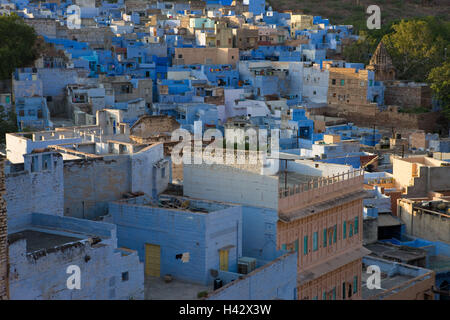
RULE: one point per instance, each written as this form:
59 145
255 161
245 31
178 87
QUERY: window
305 245
350 233
324 296
344 235
343 290
315 241
334 293
355 284
316 298
333 81
356 225
163 172
34 163
125 276
46 161
324 238
342 82
335 233
283 247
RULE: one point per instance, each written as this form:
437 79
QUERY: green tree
415 46
361 50
439 80
17 45
8 122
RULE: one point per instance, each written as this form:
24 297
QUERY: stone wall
407 95
3 238
369 115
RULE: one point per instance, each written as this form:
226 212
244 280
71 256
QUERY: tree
415 47
8 122
16 45
439 80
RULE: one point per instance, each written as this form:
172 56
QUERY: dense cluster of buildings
307 204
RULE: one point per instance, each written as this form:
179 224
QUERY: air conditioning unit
246 265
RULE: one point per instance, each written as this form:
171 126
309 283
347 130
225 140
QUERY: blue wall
178 232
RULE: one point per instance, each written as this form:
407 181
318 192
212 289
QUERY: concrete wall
38 191
17 145
42 275
229 184
90 184
370 230
425 225
259 238
276 280
201 235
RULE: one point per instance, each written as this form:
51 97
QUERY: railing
320 189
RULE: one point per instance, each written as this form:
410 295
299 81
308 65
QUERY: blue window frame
325 238
335 233
355 284
356 224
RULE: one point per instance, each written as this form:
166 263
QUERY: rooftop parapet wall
320 189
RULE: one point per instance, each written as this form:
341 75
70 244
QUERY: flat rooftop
387 283
42 240
409 255
157 289
185 204
293 178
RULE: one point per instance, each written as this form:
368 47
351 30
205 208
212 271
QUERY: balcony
319 190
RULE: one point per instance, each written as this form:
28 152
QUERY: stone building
3 238
381 63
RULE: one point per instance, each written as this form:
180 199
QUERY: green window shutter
355 284
305 245
334 293
296 245
345 230
356 225
324 296
315 241
335 233
350 231
342 82
283 247
316 298
324 238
